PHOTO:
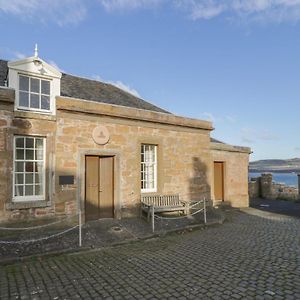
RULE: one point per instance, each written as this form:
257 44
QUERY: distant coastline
297 171
275 166
288 178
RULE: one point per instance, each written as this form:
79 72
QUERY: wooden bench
162 203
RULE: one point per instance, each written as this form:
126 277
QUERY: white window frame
31 109
29 198
154 189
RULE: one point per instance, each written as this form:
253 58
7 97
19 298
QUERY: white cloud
112 5
297 149
230 119
19 55
246 140
203 9
74 11
126 88
55 65
209 117
248 10
249 135
119 84
8 53
217 119
60 12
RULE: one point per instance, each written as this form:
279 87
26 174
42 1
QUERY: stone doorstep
77 250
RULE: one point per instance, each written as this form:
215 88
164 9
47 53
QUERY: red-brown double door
99 187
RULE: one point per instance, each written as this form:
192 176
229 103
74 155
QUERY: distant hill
275 165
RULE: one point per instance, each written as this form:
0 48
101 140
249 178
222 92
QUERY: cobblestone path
254 255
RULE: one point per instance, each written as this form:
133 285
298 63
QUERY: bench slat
161 200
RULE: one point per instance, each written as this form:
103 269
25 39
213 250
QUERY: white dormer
36 84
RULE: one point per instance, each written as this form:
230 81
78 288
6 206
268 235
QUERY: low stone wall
264 187
254 187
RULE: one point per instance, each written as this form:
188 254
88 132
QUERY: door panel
99 195
106 191
219 180
92 188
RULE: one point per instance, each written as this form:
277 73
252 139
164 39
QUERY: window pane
20 142
19 179
19 154
29 154
34 93
24 99
29 142
38 177
38 167
19 166
28 178
45 102
39 154
28 190
29 174
34 101
29 167
38 190
148 167
19 190
24 83
46 87
34 85
39 143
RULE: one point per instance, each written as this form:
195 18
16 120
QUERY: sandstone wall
235 174
183 158
183 155
15 123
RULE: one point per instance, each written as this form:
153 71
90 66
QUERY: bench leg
152 213
187 210
148 215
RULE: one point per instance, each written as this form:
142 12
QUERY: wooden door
99 194
106 191
219 180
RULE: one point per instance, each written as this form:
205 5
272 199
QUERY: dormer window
34 93
36 84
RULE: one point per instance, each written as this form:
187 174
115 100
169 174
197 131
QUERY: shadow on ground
288 208
101 233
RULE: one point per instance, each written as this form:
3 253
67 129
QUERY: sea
290 179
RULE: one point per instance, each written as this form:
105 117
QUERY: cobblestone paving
254 255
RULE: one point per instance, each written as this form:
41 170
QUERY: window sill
27 204
144 192
34 115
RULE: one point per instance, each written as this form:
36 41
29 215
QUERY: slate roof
216 141
3 71
78 87
93 90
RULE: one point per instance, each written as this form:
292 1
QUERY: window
29 168
148 168
34 93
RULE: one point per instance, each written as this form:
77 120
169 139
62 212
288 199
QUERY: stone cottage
68 142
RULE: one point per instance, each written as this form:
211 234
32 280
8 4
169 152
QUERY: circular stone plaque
100 135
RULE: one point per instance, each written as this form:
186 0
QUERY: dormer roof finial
36 51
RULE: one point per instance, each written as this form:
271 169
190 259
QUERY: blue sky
235 62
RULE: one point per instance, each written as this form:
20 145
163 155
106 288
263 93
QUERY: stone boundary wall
264 187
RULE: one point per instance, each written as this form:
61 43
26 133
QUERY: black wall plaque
66 180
